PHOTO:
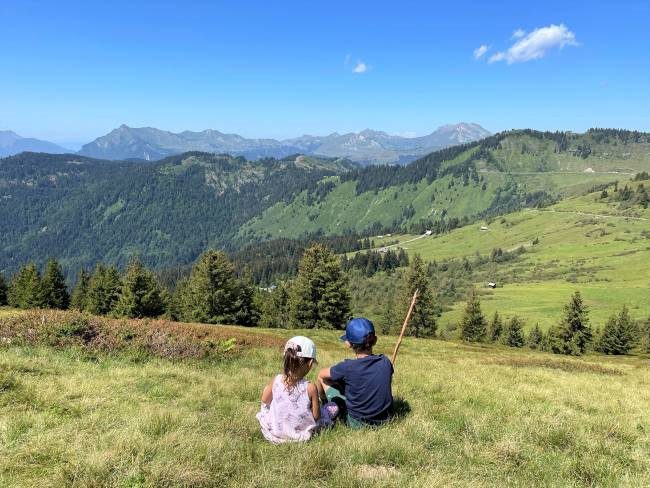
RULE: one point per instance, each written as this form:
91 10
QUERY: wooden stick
406 321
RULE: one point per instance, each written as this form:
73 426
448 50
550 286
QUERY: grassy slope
606 258
478 417
342 209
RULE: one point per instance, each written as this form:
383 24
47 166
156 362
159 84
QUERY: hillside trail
587 214
403 242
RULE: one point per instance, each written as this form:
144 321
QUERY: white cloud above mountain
535 44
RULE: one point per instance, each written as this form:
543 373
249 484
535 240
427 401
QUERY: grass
471 416
584 244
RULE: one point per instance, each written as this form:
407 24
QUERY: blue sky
72 71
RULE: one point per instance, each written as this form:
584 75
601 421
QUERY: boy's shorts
335 395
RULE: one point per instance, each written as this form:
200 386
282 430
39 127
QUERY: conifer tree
25 288
389 321
3 291
473 326
53 288
319 295
423 318
245 311
572 335
513 335
274 306
496 328
536 338
620 334
212 294
140 294
103 290
80 291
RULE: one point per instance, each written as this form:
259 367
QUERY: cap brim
344 337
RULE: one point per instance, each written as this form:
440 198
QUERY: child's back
366 382
289 416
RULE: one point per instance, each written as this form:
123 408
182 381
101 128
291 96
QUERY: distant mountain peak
368 146
11 143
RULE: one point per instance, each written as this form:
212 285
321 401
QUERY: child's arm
323 380
312 391
267 393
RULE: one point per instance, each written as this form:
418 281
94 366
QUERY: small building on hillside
491 284
427 233
484 227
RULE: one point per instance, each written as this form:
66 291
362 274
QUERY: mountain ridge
11 143
365 147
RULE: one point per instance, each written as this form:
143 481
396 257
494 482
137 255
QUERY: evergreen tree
319 296
213 295
496 328
245 310
25 288
389 320
141 295
473 326
423 318
3 291
80 291
103 290
620 334
573 334
274 306
513 335
536 338
53 288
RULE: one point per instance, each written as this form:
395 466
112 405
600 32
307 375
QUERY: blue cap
357 330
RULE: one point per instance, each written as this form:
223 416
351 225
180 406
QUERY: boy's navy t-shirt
367 386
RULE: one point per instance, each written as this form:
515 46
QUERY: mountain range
365 147
84 210
12 143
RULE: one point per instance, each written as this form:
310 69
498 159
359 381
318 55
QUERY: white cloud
480 51
536 44
360 67
519 33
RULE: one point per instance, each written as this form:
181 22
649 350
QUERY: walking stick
406 321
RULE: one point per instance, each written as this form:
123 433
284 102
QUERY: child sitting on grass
363 383
290 409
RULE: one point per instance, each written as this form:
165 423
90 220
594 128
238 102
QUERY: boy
364 383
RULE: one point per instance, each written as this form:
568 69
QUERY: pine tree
572 335
140 295
245 310
423 318
103 290
213 295
536 338
513 335
274 306
3 291
319 295
25 288
620 334
53 288
496 328
80 291
473 326
389 321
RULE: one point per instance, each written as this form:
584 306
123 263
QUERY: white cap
305 347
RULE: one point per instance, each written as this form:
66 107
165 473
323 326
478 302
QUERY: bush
156 338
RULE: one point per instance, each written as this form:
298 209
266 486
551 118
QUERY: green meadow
475 416
581 243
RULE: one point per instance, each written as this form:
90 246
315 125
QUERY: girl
290 408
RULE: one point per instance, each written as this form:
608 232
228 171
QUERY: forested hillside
82 210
